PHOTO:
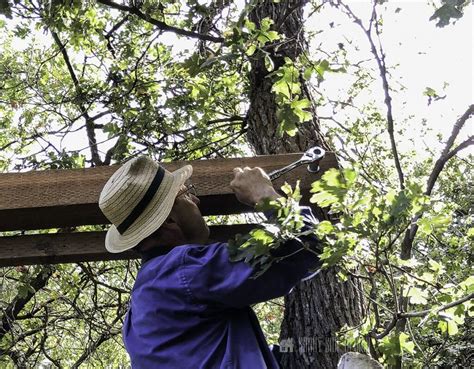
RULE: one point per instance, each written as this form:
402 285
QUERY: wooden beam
82 246
64 198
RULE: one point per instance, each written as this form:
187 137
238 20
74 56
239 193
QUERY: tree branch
438 167
89 122
446 154
94 345
417 314
109 36
20 301
159 24
208 21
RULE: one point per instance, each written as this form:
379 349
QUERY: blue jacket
189 309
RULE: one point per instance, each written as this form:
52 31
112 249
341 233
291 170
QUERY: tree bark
315 310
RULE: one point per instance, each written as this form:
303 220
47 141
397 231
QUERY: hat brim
152 217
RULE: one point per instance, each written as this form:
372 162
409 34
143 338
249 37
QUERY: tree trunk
316 309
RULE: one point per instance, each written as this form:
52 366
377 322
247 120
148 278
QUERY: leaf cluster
285 223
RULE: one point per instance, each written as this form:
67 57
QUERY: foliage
368 240
256 247
80 308
270 314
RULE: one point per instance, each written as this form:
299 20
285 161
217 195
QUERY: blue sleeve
211 277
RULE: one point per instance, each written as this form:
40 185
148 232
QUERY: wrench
311 157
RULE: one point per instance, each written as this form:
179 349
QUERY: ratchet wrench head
312 157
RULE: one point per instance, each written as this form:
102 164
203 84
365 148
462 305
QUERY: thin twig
380 59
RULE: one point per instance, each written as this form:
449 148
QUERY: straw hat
137 199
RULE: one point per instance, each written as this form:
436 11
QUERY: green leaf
280 87
261 249
332 178
308 72
430 92
287 120
450 321
266 23
424 226
452 328
262 236
269 36
350 176
429 224
251 50
428 277
301 104
376 212
417 296
249 25
435 266
286 188
470 233
390 346
322 67
405 344
440 221
323 199
342 276
468 284
448 326
411 263
5 8
325 227
400 205
272 36
297 106
23 290
445 13
269 65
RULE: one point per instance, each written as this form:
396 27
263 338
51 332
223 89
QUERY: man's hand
252 186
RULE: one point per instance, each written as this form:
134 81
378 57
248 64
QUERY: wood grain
82 246
63 198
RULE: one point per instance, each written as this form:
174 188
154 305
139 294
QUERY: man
190 305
